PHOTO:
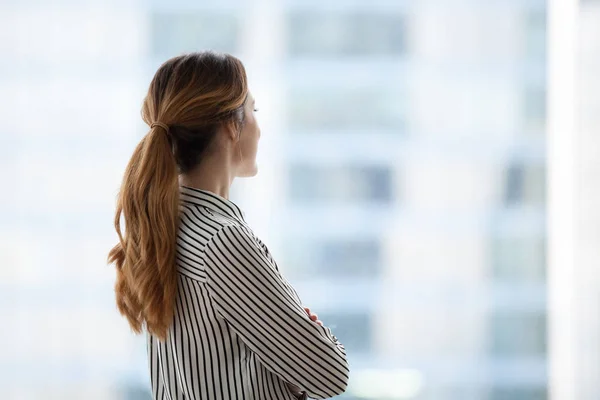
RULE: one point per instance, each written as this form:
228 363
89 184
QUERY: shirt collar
210 200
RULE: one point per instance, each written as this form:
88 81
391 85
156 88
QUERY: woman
221 320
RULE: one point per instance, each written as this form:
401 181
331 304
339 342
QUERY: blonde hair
192 95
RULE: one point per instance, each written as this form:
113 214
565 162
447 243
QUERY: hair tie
164 126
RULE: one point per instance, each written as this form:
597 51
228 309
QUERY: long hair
193 95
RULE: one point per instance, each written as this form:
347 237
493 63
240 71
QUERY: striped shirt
239 330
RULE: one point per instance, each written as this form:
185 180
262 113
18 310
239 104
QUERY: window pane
343 107
525 185
535 34
518 334
518 258
341 34
534 110
338 257
352 184
519 393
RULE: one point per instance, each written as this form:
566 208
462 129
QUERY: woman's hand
313 317
294 389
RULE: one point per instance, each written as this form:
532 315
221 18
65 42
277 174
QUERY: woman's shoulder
230 232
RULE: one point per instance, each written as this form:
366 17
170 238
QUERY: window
535 35
518 258
518 393
350 258
333 184
174 33
525 185
337 34
342 107
534 110
517 333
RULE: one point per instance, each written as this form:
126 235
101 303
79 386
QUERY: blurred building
416 191
402 183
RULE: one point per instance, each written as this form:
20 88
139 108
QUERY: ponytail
188 99
148 201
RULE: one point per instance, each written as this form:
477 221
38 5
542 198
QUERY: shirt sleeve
263 309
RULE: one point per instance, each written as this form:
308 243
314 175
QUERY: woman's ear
232 130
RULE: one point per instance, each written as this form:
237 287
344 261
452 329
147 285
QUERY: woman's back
234 331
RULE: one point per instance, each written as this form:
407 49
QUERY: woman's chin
249 173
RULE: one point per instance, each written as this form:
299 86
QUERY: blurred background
428 181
